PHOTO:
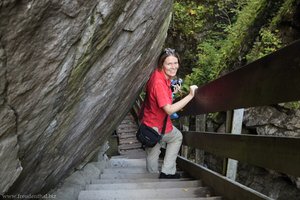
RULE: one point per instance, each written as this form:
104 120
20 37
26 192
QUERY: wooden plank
143 180
124 162
145 185
127 126
200 126
127 135
129 130
277 153
144 193
122 170
129 146
128 141
269 80
129 176
222 186
236 128
228 127
136 175
185 127
133 153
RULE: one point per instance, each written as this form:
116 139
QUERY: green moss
78 73
94 48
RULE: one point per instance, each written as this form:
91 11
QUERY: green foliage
189 17
267 43
269 39
230 39
229 24
204 71
286 10
225 12
292 105
224 46
238 33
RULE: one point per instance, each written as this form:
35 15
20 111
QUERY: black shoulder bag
147 135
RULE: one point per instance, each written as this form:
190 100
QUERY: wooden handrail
277 153
222 186
269 80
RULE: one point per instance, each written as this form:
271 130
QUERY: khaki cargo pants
173 141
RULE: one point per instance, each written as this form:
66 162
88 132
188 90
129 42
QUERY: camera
175 82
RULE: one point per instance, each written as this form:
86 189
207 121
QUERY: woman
158 104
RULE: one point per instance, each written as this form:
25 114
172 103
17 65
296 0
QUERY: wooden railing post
200 126
184 125
236 128
228 125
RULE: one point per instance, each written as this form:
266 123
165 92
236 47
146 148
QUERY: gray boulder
268 120
70 71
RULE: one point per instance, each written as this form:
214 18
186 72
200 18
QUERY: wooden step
133 153
146 185
135 175
144 193
128 120
125 162
126 130
130 146
192 198
142 180
129 176
128 124
127 135
123 127
120 170
129 140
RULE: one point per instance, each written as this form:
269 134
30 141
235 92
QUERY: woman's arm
170 109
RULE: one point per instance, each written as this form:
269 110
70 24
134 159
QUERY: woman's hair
166 52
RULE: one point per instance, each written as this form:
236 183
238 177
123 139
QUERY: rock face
70 71
278 121
268 120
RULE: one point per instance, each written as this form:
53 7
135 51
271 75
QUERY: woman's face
170 66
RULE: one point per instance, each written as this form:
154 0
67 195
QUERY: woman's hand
193 89
171 108
177 89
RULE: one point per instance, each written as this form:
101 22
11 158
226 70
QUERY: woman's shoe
169 176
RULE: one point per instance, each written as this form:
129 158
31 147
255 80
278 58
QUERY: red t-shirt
158 95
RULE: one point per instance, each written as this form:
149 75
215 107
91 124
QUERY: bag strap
165 124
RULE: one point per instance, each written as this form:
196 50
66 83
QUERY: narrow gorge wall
69 70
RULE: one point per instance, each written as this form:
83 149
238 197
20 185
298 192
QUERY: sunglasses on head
169 51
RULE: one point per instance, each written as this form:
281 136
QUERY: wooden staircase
126 178
126 132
